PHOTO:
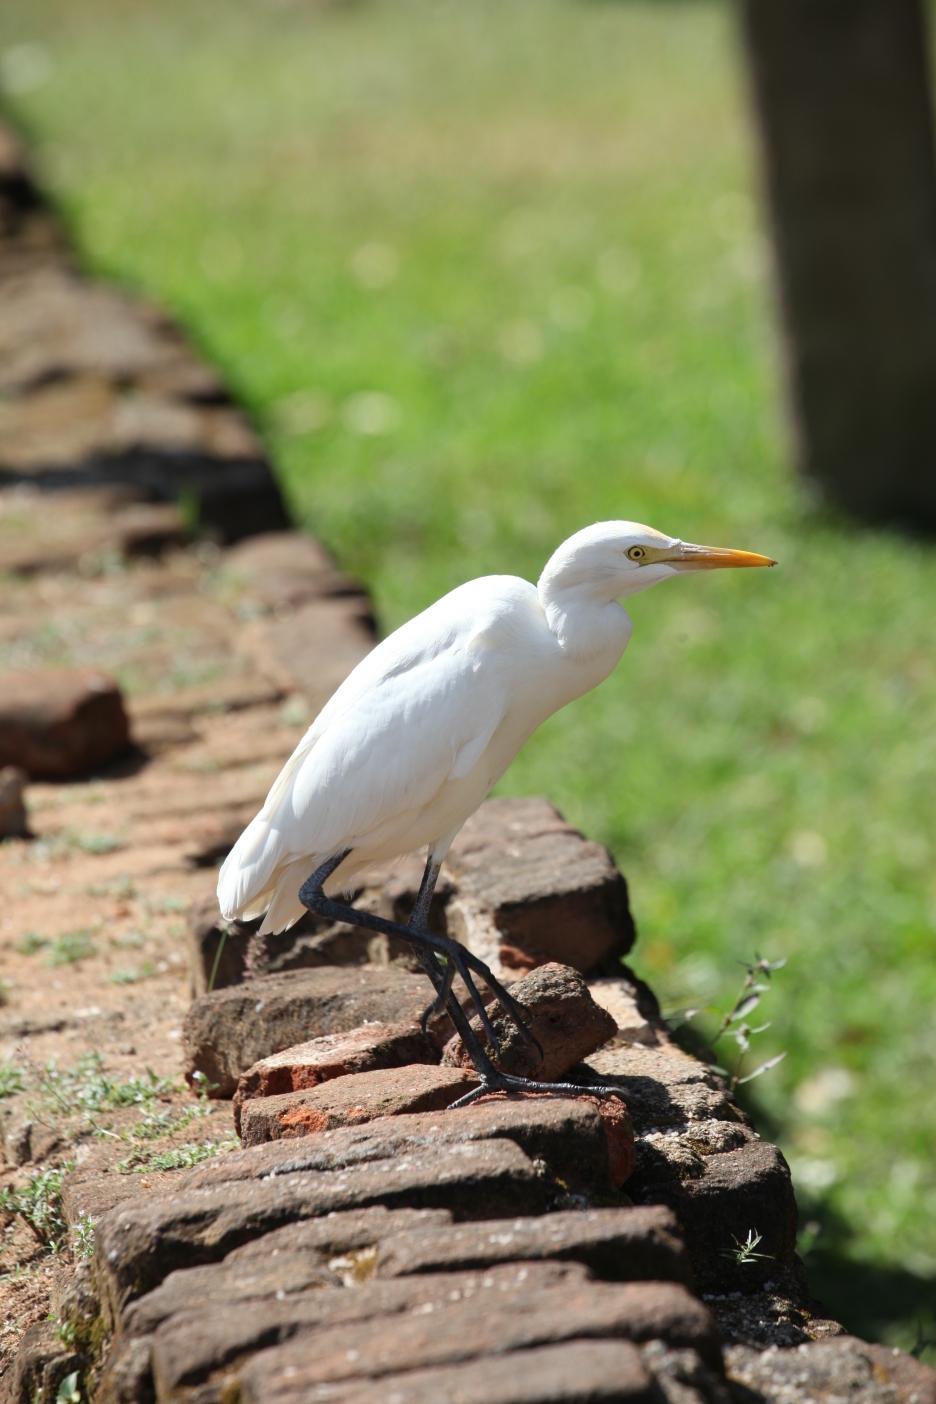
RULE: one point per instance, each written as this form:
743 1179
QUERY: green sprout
176 1158
70 947
32 942
93 843
734 1025
746 1252
11 1079
83 1237
131 975
39 1204
68 1391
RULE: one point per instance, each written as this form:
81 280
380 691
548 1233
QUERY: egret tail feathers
285 908
249 872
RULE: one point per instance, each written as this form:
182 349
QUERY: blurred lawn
486 273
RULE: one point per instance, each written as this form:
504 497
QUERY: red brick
306 1065
61 723
345 1101
563 1017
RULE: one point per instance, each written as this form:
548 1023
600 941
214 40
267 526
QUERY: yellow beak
688 557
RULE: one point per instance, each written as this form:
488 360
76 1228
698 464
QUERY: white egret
416 736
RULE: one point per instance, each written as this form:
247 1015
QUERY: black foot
497 1081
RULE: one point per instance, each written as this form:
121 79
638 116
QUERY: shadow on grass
877 1301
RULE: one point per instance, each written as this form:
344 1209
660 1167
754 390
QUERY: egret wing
409 718
420 709
390 753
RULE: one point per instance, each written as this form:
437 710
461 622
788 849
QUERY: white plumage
415 737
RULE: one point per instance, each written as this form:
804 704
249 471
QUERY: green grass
39 1202
71 947
574 323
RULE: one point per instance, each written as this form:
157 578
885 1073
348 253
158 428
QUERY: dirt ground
93 935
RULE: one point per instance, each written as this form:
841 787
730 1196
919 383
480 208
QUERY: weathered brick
489 1322
188 1289
42 1362
566 1134
562 1016
697 1154
228 1031
282 569
348 1101
338 1233
841 1368
580 1372
531 889
61 722
619 1245
138 1243
193 1346
370 1046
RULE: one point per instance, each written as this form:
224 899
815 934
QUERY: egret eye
636 553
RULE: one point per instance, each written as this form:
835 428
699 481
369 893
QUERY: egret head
610 560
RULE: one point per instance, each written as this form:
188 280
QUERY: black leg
419 921
428 948
442 980
312 896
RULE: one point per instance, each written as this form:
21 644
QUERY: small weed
155 1125
71 947
83 1237
746 1252
176 1158
133 939
734 1025
4 993
217 959
93 843
205 1088
202 765
11 1079
86 1088
189 505
923 1343
32 942
122 886
131 975
808 1237
68 1390
39 1204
